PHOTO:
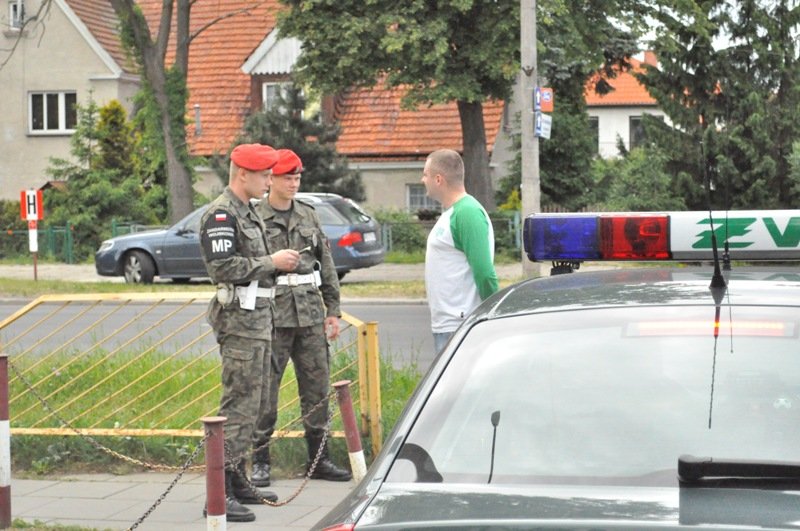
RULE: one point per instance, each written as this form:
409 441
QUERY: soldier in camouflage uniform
306 308
238 261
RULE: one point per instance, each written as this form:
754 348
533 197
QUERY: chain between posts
171 485
310 472
187 465
94 442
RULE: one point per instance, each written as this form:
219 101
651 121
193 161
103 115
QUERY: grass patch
184 389
38 525
402 257
11 287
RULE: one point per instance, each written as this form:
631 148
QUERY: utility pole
528 80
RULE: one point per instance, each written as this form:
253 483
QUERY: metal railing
147 364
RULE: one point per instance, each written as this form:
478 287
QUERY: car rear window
351 211
613 395
329 215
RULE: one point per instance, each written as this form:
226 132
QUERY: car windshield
612 396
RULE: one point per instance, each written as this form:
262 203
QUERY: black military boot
244 493
325 468
234 511
260 477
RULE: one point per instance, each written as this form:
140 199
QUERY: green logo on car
737 227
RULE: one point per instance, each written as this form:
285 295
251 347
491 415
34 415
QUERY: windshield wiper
692 469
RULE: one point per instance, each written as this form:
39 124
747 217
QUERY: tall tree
733 106
168 87
166 84
463 51
578 39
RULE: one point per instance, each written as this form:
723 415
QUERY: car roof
642 287
317 197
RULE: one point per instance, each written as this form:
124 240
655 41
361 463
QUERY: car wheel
341 274
139 268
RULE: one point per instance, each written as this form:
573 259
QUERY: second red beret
288 163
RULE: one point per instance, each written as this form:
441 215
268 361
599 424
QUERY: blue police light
561 237
685 235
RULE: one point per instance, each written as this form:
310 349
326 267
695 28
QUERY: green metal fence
54 241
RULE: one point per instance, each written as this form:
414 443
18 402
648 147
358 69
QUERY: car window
329 215
613 395
351 211
191 222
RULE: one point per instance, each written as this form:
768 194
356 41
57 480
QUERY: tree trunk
179 177
476 159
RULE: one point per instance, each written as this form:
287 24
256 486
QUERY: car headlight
106 246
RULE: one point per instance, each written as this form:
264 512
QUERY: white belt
295 279
264 293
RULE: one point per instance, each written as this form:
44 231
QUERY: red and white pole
353 438
215 473
5 447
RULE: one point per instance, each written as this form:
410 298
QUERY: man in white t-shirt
459 259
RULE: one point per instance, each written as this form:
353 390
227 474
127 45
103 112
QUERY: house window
637 134
16 13
273 94
594 133
417 199
52 112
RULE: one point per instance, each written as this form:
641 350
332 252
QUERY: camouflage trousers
307 347
246 376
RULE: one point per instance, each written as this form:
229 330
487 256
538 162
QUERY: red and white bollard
215 473
356 453
5 447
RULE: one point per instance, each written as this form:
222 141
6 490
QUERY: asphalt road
403 324
87 273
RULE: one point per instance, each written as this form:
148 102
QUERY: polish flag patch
220 216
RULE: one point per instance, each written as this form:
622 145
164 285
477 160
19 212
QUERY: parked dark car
174 253
635 398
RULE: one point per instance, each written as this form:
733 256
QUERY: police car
630 398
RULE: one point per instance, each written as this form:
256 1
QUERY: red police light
634 237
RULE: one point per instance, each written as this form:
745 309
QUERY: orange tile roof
216 81
102 22
372 123
374 127
628 90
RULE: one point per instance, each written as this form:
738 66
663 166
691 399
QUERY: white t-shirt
459 263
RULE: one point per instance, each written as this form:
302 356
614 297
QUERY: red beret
288 163
254 157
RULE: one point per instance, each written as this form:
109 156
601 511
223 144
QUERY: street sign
543 99
542 125
30 205
33 236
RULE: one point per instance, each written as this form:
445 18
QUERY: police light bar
751 235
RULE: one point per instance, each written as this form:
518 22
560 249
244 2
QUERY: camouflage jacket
235 252
305 304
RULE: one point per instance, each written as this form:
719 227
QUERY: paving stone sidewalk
105 501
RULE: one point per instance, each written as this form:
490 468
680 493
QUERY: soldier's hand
332 327
286 259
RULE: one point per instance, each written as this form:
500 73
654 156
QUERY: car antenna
717 280
719 285
495 422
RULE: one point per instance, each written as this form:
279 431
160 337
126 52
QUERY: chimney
650 58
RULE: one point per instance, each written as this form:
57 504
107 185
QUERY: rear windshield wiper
692 469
